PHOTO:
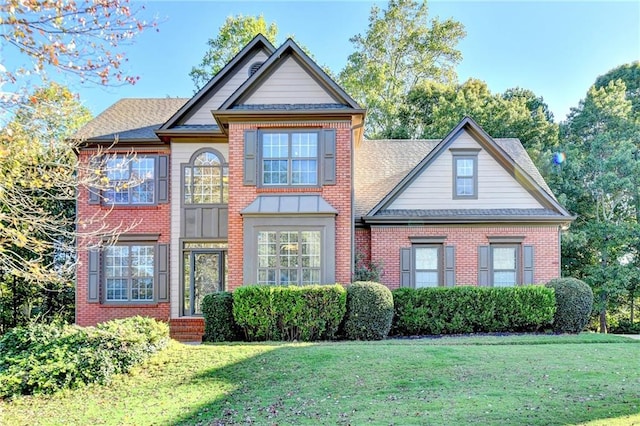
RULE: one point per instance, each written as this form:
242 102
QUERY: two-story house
264 177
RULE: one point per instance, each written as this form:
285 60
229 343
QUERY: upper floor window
465 174
289 158
131 180
206 179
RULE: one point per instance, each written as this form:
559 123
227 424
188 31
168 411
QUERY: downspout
353 192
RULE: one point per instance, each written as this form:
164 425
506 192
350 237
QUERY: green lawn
536 380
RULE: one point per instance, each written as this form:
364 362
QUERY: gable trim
474 129
274 61
259 41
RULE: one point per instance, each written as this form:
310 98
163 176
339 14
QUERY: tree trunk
603 313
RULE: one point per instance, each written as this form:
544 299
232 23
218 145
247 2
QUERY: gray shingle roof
380 165
130 119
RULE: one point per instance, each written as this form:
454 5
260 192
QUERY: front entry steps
186 329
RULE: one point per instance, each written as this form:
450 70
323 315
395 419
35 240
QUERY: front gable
505 182
289 78
197 112
434 186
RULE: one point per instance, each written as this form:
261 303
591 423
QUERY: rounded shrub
574 302
369 311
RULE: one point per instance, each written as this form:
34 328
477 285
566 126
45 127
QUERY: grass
536 380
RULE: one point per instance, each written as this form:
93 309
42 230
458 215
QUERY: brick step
187 329
187 337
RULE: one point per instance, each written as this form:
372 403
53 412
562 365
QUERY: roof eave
471 219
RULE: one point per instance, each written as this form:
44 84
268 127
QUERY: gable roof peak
257 42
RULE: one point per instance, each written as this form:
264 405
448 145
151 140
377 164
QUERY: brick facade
339 195
94 218
386 242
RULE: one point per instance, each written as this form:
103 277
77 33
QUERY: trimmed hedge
457 310
574 302
45 358
219 325
369 311
289 312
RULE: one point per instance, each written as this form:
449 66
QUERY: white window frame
439 265
517 264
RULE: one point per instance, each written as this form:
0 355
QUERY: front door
203 275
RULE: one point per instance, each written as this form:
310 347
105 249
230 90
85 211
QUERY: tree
233 35
432 109
600 183
401 48
37 206
630 76
78 37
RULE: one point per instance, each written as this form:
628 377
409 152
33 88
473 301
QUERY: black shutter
528 265
483 266
449 266
250 165
328 161
162 274
405 267
163 179
93 289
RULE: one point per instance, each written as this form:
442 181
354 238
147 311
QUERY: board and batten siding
181 154
203 115
289 84
433 188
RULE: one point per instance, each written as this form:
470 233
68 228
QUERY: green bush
625 326
289 313
574 302
43 358
467 309
219 325
369 311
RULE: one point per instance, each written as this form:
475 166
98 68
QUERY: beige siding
289 84
203 115
433 189
180 154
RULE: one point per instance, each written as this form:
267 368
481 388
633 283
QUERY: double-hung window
289 257
504 265
129 272
465 174
427 265
131 180
289 158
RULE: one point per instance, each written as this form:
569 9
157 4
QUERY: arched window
206 179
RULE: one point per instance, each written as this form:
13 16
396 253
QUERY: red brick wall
363 244
339 195
96 219
387 241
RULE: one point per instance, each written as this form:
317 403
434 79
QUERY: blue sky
555 49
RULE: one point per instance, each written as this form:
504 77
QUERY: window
465 174
289 158
129 273
131 180
206 179
504 265
427 266
289 257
